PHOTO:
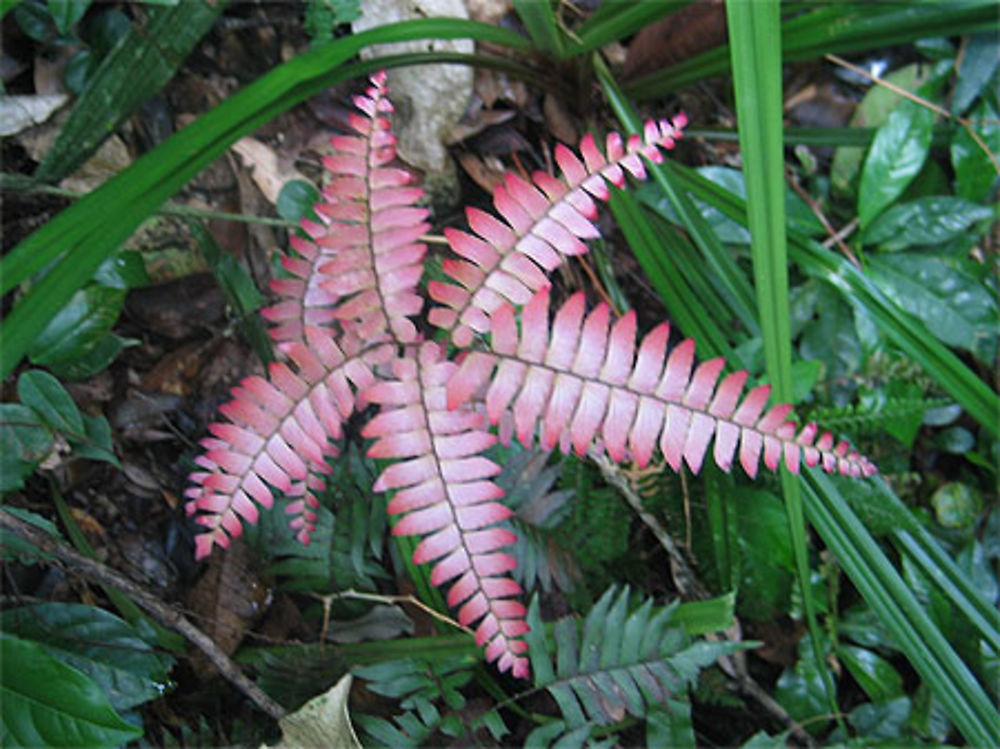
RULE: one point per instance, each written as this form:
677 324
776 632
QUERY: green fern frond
527 480
868 417
618 664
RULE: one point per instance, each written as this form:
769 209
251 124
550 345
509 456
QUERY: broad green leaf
956 307
881 721
801 690
296 199
766 550
982 56
97 444
15 547
105 30
22 433
955 505
66 13
47 703
896 156
46 396
125 271
96 359
134 69
98 644
925 221
879 678
35 20
975 174
79 327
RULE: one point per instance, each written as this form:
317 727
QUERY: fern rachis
344 327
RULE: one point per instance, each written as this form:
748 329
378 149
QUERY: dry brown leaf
269 171
686 33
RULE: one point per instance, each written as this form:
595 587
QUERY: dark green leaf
766 550
66 13
15 547
881 721
46 703
926 221
955 505
105 30
955 440
975 174
98 444
879 678
134 69
322 16
954 306
46 396
801 690
540 21
124 271
78 70
982 55
22 434
99 644
296 199
896 156
34 20
98 358
79 327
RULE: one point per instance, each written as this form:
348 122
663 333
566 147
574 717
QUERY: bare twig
390 599
93 571
818 212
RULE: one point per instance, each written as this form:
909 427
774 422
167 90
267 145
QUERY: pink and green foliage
345 329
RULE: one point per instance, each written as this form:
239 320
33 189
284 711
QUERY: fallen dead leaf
269 171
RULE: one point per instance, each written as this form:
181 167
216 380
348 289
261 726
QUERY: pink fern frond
360 267
507 259
278 438
444 493
582 381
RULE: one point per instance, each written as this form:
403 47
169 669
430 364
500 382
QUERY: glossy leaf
879 678
975 174
46 396
78 328
925 221
47 703
982 56
896 156
98 644
24 442
956 307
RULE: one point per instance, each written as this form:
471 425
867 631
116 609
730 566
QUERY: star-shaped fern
346 333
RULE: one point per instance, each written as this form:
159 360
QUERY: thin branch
357 595
93 571
827 226
967 124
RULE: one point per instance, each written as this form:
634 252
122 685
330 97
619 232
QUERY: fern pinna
345 329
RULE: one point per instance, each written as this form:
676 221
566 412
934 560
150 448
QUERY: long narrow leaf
754 29
136 68
836 28
896 607
89 230
908 333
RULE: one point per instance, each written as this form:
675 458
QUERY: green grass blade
615 20
89 230
965 702
543 27
138 66
755 31
932 560
655 255
909 334
738 293
836 28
